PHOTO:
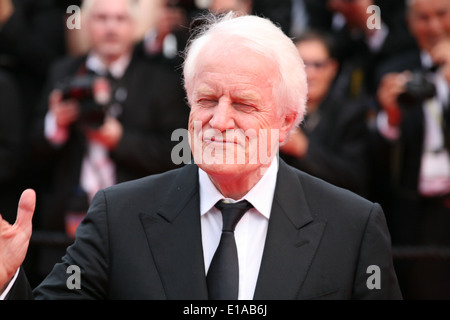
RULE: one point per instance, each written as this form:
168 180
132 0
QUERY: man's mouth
218 140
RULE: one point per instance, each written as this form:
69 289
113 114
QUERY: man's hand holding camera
66 112
391 86
109 134
408 87
297 144
85 101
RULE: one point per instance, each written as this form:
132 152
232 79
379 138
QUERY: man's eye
243 106
100 17
207 102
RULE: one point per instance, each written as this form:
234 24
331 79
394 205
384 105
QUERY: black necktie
223 273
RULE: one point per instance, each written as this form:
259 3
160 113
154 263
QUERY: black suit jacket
142 240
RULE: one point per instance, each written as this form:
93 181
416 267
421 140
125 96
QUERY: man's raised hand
14 239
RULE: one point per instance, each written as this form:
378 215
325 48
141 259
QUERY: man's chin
218 168
111 51
233 171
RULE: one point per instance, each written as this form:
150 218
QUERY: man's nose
222 118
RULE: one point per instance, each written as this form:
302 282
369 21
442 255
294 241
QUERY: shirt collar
116 69
426 60
376 41
260 196
436 77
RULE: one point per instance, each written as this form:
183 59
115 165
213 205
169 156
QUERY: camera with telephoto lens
418 89
93 94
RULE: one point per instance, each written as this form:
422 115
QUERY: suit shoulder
65 66
68 62
148 193
344 210
321 193
156 182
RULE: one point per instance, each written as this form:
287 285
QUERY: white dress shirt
435 164
250 232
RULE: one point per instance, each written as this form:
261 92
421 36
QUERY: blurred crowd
83 109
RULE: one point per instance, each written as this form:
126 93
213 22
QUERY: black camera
93 94
418 89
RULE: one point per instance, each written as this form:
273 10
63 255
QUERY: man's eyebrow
246 95
204 90
237 94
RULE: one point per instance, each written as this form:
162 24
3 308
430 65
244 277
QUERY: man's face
233 111
429 21
321 69
111 27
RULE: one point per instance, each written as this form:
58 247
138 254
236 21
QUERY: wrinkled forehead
235 56
235 70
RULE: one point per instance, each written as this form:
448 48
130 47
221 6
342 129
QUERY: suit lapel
174 237
292 239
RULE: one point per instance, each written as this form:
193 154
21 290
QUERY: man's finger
27 204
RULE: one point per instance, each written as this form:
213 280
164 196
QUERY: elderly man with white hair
237 223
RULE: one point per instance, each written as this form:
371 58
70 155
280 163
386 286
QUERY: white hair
259 35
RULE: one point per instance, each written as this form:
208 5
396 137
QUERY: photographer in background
415 121
331 143
107 117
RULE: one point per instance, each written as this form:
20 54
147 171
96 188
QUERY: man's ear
286 126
